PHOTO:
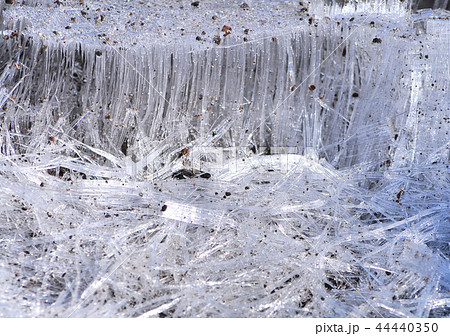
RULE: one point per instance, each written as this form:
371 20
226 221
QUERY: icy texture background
324 128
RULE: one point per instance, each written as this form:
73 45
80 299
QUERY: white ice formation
224 159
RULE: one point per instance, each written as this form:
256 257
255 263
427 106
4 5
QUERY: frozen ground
272 159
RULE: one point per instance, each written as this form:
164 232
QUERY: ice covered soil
219 160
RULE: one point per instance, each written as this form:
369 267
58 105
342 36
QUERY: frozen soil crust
222 160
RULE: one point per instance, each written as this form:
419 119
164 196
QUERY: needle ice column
271 158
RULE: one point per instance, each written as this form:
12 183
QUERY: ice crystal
277 159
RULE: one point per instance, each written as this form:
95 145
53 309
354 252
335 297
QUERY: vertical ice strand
277 159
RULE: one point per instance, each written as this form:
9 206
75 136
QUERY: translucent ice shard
272 159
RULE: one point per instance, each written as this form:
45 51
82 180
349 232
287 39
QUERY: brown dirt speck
226 28
217 39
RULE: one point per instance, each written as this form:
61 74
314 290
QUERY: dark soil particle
183 174
164 207
216 40
226 29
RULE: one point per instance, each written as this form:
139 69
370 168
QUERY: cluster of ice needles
224 159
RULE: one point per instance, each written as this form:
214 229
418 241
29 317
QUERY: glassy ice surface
272 159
